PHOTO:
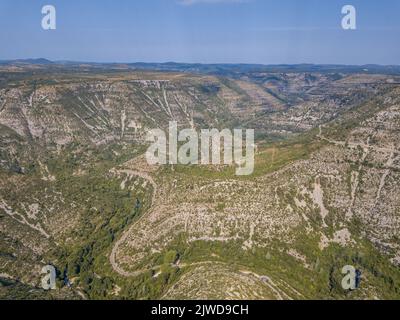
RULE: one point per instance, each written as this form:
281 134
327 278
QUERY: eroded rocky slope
76 192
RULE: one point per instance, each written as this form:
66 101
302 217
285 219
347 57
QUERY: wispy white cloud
192 2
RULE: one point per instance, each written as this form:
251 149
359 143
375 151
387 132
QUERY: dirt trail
354 145
125 235
367 148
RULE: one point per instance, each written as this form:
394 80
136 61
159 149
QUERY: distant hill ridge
217 68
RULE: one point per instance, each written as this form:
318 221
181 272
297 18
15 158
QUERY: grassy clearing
269 158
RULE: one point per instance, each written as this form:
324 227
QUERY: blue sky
207 31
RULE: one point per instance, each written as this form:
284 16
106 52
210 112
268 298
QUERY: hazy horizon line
198 63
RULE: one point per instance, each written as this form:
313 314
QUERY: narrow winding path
279 292
125 235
